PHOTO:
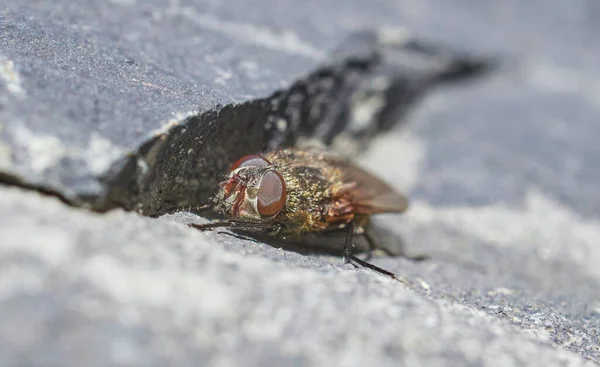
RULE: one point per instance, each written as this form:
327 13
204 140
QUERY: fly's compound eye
271 194
250 160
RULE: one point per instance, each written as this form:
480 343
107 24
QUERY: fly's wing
368 194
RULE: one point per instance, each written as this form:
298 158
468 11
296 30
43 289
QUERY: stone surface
109 74
118 289
89 115
502 174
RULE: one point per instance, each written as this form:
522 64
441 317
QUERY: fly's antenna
219 174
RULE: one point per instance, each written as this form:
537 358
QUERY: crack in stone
369 86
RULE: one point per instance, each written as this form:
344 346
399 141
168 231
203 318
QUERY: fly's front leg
238 224
211 225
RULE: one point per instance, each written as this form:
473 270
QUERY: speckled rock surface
502 174
118 289
119 109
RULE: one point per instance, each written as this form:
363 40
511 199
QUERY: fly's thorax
310 184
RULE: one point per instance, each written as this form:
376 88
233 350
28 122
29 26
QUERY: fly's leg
349 258
211 225
348 244
237 224
373 267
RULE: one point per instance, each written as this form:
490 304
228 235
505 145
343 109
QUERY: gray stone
118 289
123 110
100 105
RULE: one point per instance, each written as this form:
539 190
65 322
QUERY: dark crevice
12 180
367 89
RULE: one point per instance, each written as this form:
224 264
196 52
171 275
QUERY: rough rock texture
119 146
118 289
502 173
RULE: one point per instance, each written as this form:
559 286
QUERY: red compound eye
250 160
271 194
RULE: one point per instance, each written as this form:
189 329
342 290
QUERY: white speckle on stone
178 118
424 285
281 124
393 35
42 151
364 109
11 78
100 153
142 165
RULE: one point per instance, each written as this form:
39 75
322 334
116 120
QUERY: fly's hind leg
349 258
348 244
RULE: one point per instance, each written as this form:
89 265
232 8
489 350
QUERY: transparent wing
368 193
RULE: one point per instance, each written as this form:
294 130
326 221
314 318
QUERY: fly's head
254 190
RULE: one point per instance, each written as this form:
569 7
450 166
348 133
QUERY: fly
291 192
